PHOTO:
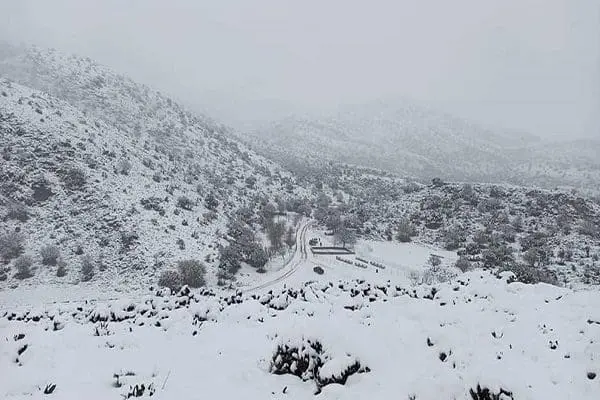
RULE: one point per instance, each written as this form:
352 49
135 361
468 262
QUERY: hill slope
125 197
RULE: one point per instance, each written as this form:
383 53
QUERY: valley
159 253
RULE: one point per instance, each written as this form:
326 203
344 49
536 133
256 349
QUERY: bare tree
290 237
405 231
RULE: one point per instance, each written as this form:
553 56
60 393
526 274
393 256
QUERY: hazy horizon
528 65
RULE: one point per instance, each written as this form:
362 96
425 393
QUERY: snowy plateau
452 290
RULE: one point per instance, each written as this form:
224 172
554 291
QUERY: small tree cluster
531 275
453 238
345 236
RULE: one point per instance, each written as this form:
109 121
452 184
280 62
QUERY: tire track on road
301 246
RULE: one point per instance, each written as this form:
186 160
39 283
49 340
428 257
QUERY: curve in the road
300 257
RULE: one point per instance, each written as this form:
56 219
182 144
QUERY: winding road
300 257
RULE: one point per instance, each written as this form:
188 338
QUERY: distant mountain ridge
417 141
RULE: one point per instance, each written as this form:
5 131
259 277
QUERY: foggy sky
532 65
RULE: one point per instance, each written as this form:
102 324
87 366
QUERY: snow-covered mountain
417 141
114 174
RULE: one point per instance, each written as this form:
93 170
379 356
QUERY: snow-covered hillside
417 141
327 338
123 201
490 226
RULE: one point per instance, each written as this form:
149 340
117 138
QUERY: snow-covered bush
11 245
23 266
170 279
436 274
50 255
192 273
484 393
309 360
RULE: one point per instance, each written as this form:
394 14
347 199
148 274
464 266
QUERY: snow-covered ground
538 342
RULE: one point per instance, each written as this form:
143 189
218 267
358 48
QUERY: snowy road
301 257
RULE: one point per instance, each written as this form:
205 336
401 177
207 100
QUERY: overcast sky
525 64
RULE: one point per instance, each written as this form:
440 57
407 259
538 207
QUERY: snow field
538 342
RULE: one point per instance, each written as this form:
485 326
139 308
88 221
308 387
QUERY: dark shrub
588 228
230 260
41 191
171 279
73 178
405 231
128 240
531 275
257 256
153 203
17 211
484 393
11 245
185 203
211 202
23 265
192 273
50 255
87 268
61 270
463 264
